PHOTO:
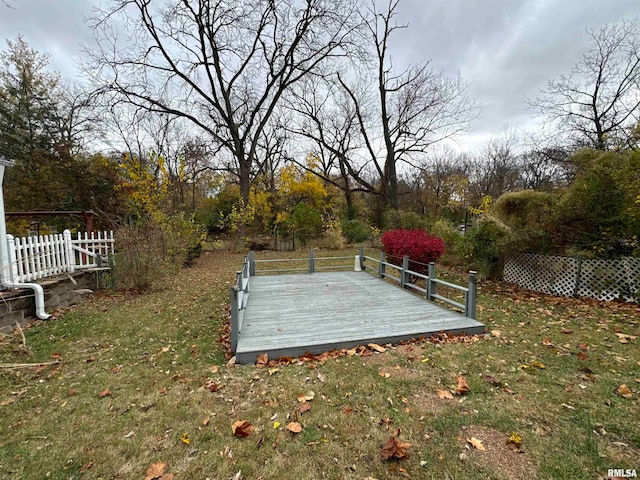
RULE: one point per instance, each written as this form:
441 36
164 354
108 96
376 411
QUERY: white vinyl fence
604 279
32 258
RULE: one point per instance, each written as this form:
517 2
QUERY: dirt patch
498 455
427 400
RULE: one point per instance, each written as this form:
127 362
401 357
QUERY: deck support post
234 318
381 269
405 267
431 285
361 255
252 264
312 262
472 295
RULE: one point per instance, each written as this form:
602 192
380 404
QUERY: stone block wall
18 305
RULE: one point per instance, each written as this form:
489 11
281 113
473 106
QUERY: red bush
417 244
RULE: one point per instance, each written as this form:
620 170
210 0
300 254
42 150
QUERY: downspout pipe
6 270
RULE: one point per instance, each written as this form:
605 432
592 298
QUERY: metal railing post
381 267
472 294
252 264
431 285
312 262
405 267
234 318
361 254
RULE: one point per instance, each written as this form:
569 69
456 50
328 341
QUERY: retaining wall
18 305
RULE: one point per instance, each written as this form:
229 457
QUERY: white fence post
68 246
13 262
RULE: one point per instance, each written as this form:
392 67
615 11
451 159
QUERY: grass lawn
142 382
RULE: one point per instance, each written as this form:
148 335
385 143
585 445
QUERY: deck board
288 315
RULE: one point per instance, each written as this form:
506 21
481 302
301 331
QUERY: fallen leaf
624 391
206 421
86 466
515 440
214 369
72 392
566 331
547 342
537 364
163 391
304 397
90 359
105 393
214 387
321 377
273 371
348 410
476 443
155 471
276 425
262 359
350 352
384 374
184 438
583 346
304 407
496 333
242 428
395 449
624 338
376 347
130 434
582 356
462 386
8 401
444 394
294 427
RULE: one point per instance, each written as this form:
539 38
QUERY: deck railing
408 278
239 298
32 258
405 277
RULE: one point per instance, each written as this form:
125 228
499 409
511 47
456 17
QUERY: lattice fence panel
576 277
610 279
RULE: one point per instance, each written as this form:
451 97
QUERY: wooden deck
288 315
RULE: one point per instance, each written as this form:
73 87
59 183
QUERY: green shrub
453 240
483 248
355 231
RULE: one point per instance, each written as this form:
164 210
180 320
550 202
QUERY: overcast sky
507 49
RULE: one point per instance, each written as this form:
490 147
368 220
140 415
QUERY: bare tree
222 65
401 117
495 170
598 103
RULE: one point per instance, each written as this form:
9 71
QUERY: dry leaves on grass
242 428
444 394
476 443
308 396
294 427
515 441
462 387
304 407
156 472
105 393
395 449
624 338
624 391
